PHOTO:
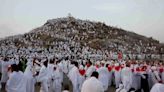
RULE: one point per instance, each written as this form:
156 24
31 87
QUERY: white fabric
154 77
121 90
60 67
4 66
90 70
50 69
74 76
158 88
57 81
30 86
16 82
43 78
110 77
117 75
92 85
104 77
65 91
162 76
126 75
1 66
65 66
0 72
136 82
81 81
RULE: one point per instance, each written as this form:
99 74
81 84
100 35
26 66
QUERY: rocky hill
95 35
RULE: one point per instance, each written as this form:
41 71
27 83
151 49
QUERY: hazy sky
145 17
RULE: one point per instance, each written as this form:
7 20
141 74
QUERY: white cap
103 61
98 63
153 68
121 86
117 64
81 67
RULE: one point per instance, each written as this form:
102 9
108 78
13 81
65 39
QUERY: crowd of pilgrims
25 62
22 75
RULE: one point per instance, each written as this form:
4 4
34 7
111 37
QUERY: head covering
81 67
97 63
153 68
121 86
117 64
103 62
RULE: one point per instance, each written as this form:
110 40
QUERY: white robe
92 85
136 83
158 88
50 69
65 66
110 77
162 76
60 67
104 77
30 86
1 66
74 76
4 66
16 82
43 78
154 78
121 90
57 81
0 72
117 75
126 76
81 81
90 70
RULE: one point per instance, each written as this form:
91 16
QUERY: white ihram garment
57 81
4 66
30 86
92 85
16 83
127 75
74 76
50 72
158 88
43 78
103 77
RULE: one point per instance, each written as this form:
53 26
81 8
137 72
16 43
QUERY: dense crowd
22 74
66 47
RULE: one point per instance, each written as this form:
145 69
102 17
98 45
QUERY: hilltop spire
69 15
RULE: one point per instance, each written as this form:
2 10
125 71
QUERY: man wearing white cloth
43 77
30 86
90 69
155 78
126 75
74 76
92 84
158 88
5 65
56 80
17 81
50 72
0 72
103 76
